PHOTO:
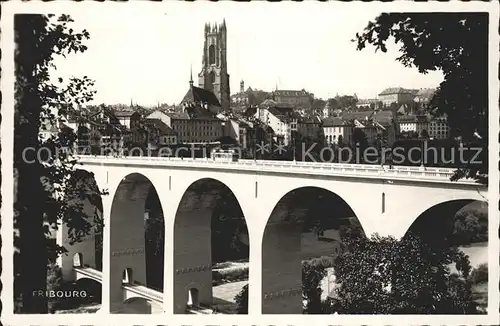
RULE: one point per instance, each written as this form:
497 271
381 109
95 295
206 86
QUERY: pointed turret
191 77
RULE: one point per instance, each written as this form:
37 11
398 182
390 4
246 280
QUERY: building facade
214 75
279 119
337 131
397 95
293 98
192 125
439 128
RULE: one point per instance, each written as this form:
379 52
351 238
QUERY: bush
311 290
231 275
54 283
479 274
382 275
241 300
323 261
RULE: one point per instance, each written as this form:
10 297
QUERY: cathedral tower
213 75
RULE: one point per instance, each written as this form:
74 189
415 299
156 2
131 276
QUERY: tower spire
191 76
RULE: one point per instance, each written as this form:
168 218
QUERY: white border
7 82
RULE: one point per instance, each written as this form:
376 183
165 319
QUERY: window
211 54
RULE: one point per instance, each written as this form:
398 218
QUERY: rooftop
398 90
160 125
200 95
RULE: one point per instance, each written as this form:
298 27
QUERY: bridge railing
292 166
89 272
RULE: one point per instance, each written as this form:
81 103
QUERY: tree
470 226
39 184
359 140
456 44
384 276
241 300
311 290
346 101
340 141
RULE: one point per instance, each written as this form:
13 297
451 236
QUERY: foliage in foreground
241 300
457 45
384 276
40 182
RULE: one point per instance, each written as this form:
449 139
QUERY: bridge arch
89 290
139 305
208 220
307 222
127 224
439 222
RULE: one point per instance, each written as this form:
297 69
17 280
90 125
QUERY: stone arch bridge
385 201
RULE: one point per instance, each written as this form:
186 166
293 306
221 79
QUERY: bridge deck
317 168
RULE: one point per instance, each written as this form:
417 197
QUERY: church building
214 76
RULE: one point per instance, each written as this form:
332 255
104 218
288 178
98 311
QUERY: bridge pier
282 269
193 250
127 256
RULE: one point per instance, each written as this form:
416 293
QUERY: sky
146 55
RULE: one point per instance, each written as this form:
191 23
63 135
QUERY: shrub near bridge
230 275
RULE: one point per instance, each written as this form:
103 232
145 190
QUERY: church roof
200 95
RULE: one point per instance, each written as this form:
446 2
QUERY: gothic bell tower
213 75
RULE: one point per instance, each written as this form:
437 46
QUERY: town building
159 133
434 127
330 108
397 95
310 127
241 98
423 98
193 125
337 131
386 120
439 128
412 124
214 76
293 98
279 119
240 130
128 118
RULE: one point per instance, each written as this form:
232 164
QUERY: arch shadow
440 223
90 290
134 208
209 228
306 222
440 239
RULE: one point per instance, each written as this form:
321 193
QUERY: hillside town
174 195
253 116
209 115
